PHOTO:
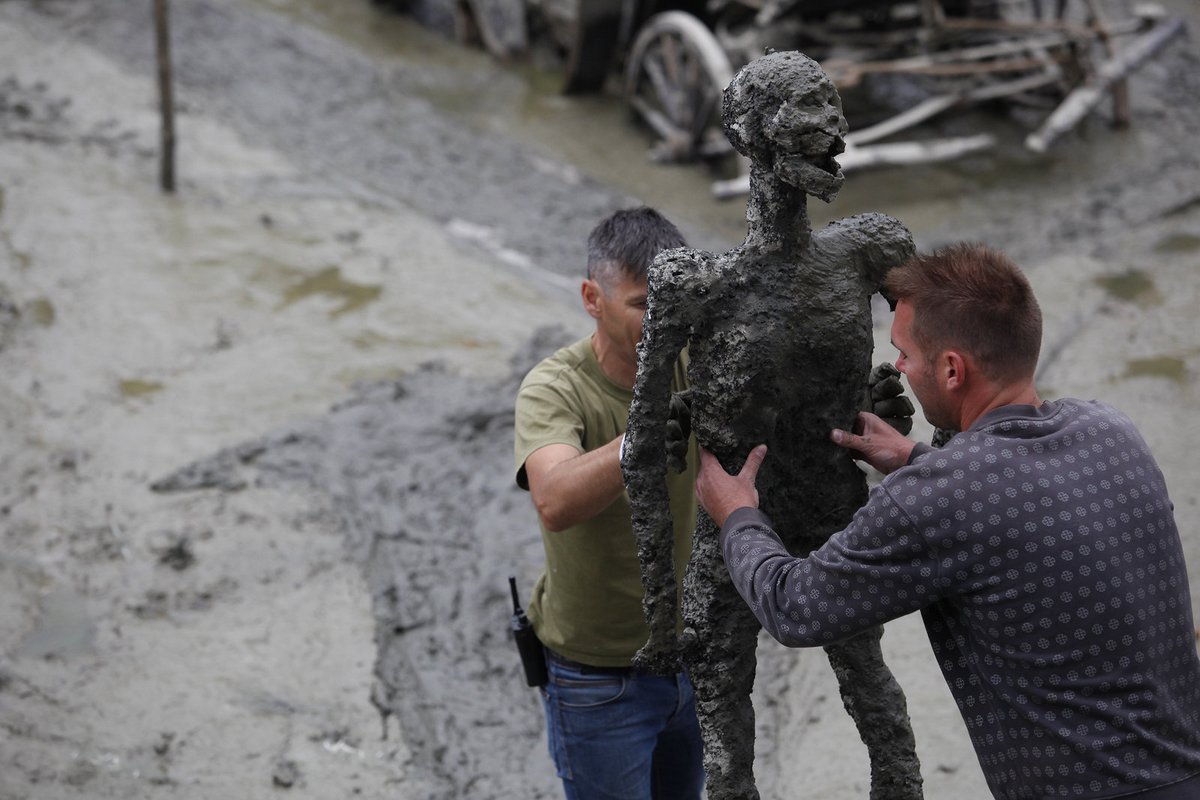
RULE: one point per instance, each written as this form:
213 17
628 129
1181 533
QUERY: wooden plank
1082 100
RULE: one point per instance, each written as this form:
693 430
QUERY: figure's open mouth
820 176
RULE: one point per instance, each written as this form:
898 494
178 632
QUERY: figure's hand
887 398
719 493
679 428
876 442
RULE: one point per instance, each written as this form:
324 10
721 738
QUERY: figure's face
807 133
921 368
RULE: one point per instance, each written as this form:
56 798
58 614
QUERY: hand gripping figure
779 335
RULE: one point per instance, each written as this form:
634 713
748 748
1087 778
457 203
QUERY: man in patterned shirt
1039 545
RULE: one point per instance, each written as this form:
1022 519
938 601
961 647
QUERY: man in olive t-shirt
613 732
588 605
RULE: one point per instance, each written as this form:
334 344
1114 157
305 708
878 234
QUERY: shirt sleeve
543 416
919 449
876 569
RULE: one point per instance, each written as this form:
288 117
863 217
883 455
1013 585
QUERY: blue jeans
614 736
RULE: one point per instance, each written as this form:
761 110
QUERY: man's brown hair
973 298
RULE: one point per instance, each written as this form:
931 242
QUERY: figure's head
782 111
968 301
620 250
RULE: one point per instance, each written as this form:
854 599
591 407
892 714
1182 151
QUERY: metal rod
166 97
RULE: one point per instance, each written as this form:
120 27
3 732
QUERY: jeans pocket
588 691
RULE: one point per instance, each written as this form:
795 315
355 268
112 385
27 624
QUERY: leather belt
588 669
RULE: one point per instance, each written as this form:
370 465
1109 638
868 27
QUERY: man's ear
590 292
954 367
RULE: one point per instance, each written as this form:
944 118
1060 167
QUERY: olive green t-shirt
587 605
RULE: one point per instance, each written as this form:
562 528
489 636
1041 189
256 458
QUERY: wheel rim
676 74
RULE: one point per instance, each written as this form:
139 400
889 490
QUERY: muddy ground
256 508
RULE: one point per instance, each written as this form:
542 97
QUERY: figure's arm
671 296
880 243
892 248
885 243
569 487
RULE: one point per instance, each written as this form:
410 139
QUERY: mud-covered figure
779 333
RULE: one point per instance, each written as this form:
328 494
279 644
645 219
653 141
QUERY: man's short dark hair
971 297
625 243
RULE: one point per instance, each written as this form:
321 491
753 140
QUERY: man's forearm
751 568
796 600
576 489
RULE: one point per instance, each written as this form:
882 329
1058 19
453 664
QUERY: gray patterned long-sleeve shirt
1040 547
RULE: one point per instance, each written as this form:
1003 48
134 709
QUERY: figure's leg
876 703
655 536
718 647
654 532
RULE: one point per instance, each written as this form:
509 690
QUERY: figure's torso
783 358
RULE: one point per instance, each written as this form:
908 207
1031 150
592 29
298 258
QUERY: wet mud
430 517
253 547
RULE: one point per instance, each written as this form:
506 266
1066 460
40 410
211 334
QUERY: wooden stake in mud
166 98
1084 98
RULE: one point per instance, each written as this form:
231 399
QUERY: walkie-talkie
533 656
